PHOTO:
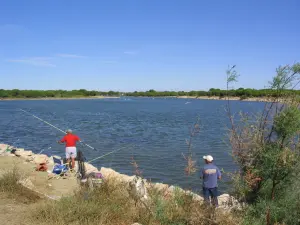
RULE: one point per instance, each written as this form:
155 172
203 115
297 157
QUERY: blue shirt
210 174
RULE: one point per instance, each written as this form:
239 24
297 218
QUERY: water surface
153 131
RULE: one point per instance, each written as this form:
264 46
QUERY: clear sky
129 45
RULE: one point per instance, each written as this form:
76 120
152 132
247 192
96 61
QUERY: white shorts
71 152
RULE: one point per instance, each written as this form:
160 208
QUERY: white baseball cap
209 158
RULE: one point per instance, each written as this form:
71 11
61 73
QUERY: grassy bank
109 204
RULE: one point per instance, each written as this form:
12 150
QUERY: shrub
266 149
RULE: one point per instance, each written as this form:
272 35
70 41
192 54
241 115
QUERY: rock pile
137 187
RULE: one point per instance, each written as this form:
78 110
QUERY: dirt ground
16 213
51 187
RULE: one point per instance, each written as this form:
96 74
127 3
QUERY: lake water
153 131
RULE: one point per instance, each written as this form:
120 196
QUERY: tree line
241 92
16 93
213 92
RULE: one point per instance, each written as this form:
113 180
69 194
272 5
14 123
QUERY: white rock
229 202
198 198
89 168
223 199
26 183
136 224
23 153
38 159
137 189
110 173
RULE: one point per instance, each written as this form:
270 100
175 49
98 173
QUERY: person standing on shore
210 174
71 152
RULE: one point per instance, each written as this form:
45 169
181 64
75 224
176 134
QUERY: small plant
135 165
191 164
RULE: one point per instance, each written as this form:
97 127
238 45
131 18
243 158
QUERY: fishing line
44 150
107 154
55 127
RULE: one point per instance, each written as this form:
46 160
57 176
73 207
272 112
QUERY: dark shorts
211 192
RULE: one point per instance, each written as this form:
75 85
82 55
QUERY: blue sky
129 45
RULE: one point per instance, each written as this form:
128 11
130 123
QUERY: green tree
266 148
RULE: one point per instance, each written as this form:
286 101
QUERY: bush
11 187
284 209
266 149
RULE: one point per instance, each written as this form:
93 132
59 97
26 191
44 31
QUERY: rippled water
154 131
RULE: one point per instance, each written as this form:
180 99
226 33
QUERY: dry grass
110 204
10 186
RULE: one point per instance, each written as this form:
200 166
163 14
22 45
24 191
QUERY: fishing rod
54 127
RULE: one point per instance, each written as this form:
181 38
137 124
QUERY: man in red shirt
70 140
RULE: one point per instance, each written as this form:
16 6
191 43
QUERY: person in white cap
71 151
210 174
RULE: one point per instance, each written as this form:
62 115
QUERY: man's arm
219 174
62 140
202 174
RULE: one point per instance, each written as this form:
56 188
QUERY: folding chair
59 168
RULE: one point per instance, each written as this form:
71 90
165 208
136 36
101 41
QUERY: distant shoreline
225 98
262 99
59 98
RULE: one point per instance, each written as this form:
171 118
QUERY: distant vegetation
241 92
16 93
213 92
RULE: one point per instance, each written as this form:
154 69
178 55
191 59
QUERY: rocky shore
54 187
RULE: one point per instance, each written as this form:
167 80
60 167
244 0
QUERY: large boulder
229 202
137 189
89 168
23 153
110 173
26 155
41 158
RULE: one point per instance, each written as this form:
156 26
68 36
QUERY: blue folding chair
59 168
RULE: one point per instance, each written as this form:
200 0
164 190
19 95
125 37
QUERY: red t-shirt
70 140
